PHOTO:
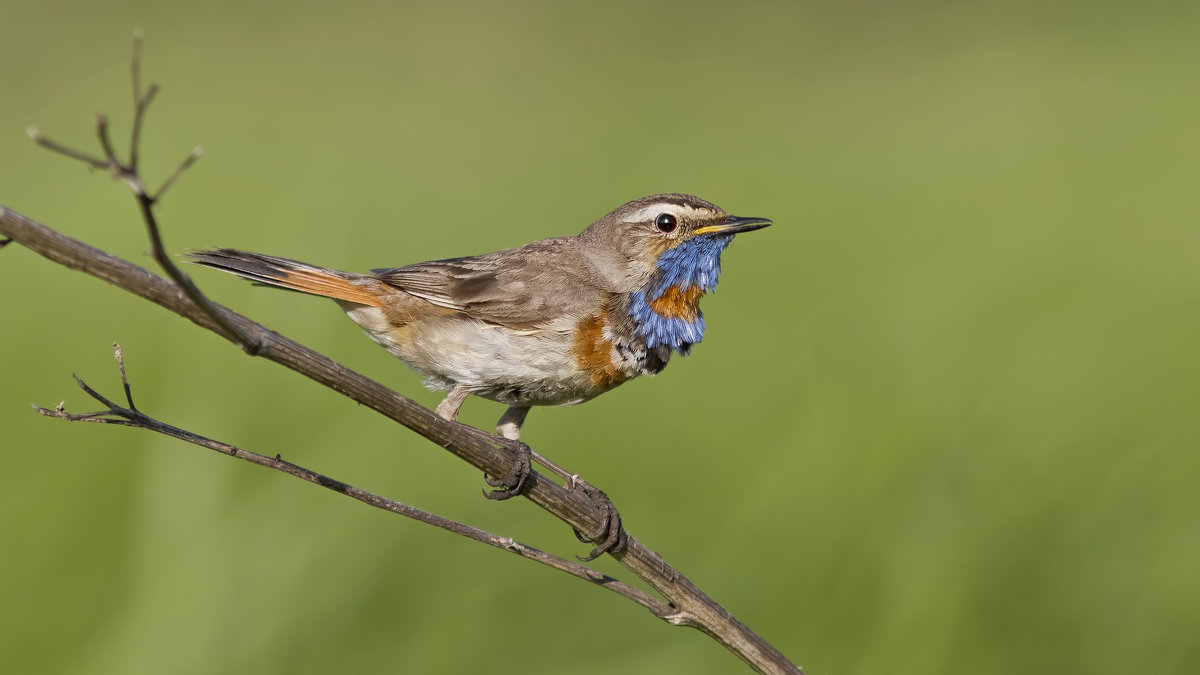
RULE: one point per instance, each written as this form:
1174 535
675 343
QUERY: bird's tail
292 275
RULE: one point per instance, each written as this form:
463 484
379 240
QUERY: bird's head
666 251
674 236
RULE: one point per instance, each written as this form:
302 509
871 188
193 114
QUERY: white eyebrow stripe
650 212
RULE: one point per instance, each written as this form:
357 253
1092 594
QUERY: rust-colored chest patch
678 304
593 352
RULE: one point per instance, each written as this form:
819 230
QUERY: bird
555 322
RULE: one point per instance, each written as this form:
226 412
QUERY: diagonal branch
132 417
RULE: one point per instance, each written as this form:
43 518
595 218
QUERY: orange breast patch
678 304
593 352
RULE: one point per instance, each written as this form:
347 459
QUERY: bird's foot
610 537
512 483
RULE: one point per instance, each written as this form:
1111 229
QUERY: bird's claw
513 483
610 537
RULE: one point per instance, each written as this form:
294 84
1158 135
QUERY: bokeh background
945 419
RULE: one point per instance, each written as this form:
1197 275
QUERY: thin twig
183 166
37 137
138 116
139 102
136 69
106 144
120 356
132 417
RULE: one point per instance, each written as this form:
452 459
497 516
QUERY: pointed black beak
734 225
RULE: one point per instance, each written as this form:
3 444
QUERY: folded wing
536 287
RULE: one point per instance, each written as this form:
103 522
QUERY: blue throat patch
693 263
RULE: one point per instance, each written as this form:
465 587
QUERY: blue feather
695 262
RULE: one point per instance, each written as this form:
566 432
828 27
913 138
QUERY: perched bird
555 322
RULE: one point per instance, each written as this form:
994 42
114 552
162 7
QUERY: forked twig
132 417
130 173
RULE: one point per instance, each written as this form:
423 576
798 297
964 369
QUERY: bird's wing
537 286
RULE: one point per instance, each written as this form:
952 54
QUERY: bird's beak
733 225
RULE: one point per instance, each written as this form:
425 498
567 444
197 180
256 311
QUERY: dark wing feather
533 287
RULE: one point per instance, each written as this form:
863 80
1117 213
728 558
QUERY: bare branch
132 417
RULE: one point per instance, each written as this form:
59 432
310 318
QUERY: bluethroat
555 322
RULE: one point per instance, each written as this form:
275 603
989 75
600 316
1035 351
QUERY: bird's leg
509 427
448 408
510 422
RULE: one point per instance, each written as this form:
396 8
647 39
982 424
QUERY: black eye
666 222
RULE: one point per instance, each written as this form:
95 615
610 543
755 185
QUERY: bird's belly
497 363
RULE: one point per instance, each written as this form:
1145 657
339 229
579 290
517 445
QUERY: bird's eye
666 222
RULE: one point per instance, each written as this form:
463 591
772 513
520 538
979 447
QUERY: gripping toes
610 537
512 483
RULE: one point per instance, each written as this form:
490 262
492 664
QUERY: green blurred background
945 419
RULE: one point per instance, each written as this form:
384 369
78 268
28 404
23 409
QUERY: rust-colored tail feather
291 274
